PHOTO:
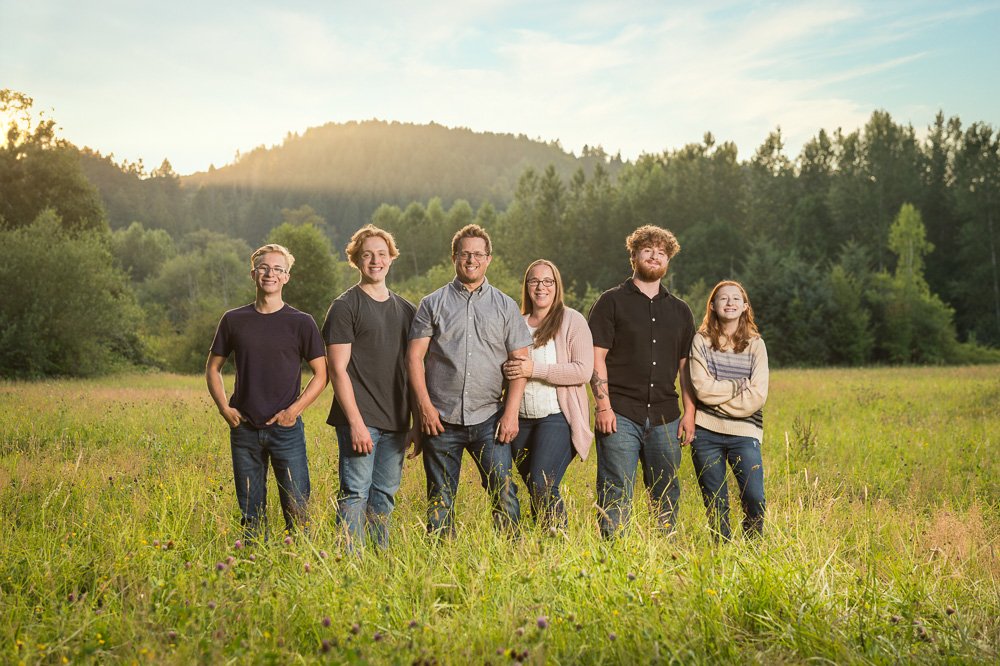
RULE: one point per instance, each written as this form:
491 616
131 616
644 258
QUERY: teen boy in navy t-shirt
269 339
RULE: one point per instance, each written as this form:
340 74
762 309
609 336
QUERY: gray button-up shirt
471 335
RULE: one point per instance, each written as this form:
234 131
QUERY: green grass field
118 521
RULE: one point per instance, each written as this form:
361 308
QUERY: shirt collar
458 286
630 285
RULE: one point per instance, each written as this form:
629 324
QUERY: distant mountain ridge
346 170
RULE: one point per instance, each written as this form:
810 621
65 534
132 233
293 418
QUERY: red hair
711 327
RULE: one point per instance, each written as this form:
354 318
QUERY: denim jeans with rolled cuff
542 451
710 452
368 485
657 450
442 456
254 450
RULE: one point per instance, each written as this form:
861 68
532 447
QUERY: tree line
874 246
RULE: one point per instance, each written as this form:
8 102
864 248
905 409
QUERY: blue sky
195 82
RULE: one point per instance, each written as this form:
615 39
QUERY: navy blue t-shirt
269 350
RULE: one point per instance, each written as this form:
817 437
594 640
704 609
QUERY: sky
197 82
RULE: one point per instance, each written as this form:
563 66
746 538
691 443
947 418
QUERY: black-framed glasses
478 256
277 270
545 282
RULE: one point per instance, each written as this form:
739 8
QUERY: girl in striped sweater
728 365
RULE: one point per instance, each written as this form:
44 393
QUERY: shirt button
654 318
654 341
650 386
648 405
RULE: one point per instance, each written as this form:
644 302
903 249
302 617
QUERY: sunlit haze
197 82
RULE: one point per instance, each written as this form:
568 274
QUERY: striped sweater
717 375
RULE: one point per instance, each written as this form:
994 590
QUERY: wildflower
71 597
377 636
355 628
413 624
172 635
325 645
710 592
612 636
253 558
187 565
170 544
230 559
630 575
322 554
288 540
519 631
307 567
238 544
220 566
542 622
211 605
326 621
156 543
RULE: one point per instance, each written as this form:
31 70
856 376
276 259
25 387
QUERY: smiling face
650 263
541 287
375 260
270 273
471 261
729 304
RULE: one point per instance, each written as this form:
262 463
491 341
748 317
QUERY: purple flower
612 636
377 636
220 566
543 622
414 624
288 540
325 645
307 567
172 635
187 565
325 621
355 628
211 605
630 575
322 554
238 544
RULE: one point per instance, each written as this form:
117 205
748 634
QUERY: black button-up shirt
646 338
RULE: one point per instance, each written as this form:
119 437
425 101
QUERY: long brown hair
553 320
711 327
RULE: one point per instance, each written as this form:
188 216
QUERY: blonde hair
553 320
711 327
353 249
649 235
470 231
272 247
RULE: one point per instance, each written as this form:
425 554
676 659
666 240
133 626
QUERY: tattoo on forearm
599 385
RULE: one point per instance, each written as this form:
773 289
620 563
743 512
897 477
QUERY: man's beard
650 274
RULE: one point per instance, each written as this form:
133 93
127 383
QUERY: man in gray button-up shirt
460 337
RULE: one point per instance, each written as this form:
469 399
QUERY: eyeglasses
277 270
545 282
465 256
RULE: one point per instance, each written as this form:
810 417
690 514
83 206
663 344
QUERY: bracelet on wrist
598 411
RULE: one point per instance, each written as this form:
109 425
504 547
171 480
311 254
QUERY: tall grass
118 525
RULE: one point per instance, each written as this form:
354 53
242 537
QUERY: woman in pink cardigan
554 417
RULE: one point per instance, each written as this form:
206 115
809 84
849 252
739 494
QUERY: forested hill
344 172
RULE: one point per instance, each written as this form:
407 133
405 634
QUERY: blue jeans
658 450
443 465
285 449
709 452
542 451
368 484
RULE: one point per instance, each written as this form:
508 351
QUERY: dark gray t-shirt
377 334
269 350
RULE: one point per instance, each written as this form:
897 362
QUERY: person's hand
232 416
507 429
430 420
414 442
517 368
605 421
361 439
284 418
685 429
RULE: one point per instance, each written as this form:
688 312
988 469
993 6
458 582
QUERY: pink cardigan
570 373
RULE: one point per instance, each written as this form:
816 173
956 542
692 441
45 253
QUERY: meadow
118 530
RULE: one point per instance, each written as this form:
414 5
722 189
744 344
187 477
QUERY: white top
539 396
